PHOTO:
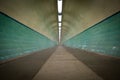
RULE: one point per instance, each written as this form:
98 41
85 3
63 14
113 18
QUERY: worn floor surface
61 64
64 66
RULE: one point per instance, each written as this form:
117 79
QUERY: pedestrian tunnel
91 27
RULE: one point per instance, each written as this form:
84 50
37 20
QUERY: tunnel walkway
64 66
61 63
26 67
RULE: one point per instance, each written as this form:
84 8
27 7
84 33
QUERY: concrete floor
105 66
61 64
24 68
64 66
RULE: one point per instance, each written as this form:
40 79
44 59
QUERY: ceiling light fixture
59 5
59 2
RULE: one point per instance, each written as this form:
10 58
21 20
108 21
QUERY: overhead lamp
59 18
59 2
59 24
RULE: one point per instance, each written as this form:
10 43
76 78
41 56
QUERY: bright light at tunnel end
59 5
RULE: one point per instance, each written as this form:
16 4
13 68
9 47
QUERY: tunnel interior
59 39
29 26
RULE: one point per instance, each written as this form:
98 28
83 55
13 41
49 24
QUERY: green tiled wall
103 37
17 39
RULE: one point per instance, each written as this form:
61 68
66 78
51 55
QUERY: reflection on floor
61 64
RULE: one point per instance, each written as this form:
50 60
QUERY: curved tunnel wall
17 39
104 37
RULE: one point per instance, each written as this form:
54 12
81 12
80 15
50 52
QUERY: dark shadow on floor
24 68
106 67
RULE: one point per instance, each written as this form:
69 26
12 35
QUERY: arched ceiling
79 15
41 15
